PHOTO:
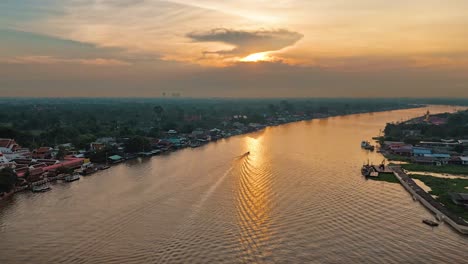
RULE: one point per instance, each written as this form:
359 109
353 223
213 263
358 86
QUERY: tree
459 148
62 152
158 111
83 141
137 144
8 179
287 106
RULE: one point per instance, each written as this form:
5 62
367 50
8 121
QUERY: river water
297 198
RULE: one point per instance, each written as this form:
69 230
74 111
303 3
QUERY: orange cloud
55 60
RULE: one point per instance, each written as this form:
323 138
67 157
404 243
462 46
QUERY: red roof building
8 143
42 153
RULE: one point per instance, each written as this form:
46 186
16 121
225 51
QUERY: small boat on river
430 222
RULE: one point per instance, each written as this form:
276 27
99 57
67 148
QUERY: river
297 198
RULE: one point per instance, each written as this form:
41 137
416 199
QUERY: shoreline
441 212
133 156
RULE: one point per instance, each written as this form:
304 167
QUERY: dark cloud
247 42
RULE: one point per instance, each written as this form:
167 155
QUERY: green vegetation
392 157
441 187
456 127
8 179
48 122
386 177
450 169
137 144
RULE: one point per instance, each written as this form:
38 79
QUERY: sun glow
261 56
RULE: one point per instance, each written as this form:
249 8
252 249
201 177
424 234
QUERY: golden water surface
297 198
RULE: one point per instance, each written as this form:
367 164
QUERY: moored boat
105 167
366 170
71 178
41 188
367 145
195 144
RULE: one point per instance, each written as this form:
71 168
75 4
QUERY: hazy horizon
233 49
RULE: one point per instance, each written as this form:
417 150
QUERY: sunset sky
241 48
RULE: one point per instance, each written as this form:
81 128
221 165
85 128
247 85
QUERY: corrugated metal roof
115 157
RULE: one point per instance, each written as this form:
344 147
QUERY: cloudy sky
234 48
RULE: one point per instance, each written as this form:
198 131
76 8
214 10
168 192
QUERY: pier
441 212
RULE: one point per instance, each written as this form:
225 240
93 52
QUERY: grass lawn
451 169
387 177
442 187
393 157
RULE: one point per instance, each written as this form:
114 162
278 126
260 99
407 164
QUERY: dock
441 212
384 169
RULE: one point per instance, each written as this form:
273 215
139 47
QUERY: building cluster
428 119
430 153
35 165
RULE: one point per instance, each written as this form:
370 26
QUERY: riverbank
195 141
441 212
449 169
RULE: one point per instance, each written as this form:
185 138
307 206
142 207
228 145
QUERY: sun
261 56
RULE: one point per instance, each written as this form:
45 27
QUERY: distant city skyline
208 48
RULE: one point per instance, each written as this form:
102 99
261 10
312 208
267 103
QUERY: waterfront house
165 145
392 144
42 153
172 132
3 159
426 161
215 133
455 160
96 146
439 159
66 146
5 163
8 145
199 134
174 141
106 140
402 150
51 166
116 159
464 161
37 168
238 125
11 150
438 144
420 152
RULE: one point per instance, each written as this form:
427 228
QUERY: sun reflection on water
253 202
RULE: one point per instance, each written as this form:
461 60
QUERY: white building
11 150
464 160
